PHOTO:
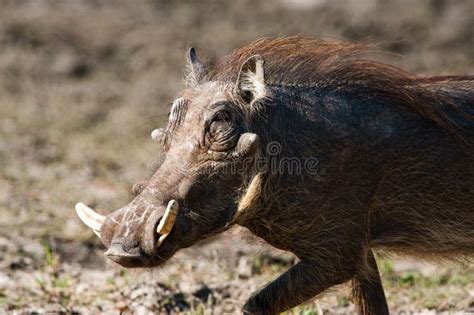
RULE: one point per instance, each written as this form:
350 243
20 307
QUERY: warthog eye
222 133
219 120
221 116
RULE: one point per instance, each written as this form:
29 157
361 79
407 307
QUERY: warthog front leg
367 290
300 283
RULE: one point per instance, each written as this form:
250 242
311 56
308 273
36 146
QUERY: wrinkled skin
207 197
387 176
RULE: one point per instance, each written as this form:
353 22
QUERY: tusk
91 218
168 220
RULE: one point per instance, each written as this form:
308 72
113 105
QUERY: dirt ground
82 84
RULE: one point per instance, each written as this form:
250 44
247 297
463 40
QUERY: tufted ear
250 85
196 70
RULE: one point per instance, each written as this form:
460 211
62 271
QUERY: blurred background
82 84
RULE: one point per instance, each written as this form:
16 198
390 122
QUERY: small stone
244 269
121 305
5 281
34 248
141 310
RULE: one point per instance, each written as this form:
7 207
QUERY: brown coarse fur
312 64
304 62
392 166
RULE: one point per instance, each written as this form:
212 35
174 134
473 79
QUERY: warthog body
318 151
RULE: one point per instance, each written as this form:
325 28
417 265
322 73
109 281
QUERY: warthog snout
121 254
131 239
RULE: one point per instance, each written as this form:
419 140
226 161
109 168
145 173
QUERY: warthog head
204 176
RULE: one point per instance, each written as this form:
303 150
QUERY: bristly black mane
317 64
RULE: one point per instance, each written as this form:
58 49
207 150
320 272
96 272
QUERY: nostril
119 251
130 258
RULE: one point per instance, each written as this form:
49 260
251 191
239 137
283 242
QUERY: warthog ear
250 85
196 70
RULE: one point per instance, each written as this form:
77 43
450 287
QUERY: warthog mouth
131 256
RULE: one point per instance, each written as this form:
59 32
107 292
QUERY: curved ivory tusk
168 220
91 218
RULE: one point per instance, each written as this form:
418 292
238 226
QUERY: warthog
318 151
